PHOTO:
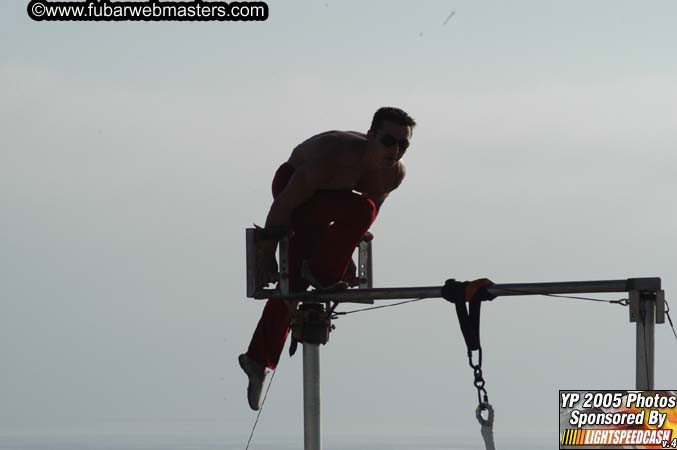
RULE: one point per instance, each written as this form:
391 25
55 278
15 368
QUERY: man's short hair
390 114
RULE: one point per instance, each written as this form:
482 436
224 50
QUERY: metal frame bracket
364 265
252 260
660 306
633 306
283 265
254 271
635 300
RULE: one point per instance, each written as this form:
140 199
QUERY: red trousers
325 231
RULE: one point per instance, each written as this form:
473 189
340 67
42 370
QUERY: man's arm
305 181
399 177
378 201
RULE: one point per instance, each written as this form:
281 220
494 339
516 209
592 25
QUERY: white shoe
257 376
307 275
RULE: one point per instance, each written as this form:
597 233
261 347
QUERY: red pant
327 246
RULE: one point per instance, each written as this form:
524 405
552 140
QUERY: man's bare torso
346 153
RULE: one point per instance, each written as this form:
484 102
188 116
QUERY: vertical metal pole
312 432
645 342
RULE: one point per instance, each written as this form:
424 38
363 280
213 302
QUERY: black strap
469 320
454 291
293 345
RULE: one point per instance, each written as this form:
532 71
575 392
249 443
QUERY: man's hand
350 276
367 237
467 291
266 264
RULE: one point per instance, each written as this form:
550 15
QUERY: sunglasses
388 141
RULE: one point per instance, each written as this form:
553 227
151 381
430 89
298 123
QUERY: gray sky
135 154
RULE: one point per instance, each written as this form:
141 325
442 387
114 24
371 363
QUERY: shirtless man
328 193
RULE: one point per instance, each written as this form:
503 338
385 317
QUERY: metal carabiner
489 421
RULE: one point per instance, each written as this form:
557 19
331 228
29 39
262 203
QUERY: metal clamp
635 301
311 324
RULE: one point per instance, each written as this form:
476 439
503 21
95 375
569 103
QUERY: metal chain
482 396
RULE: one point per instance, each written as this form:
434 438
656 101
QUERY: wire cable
376 307
667 313
260 409
622 302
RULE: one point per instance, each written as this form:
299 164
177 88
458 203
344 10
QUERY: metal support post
311 325
312 428
643 311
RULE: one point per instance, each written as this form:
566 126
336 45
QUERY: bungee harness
473 292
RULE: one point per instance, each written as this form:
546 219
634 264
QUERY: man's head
389 135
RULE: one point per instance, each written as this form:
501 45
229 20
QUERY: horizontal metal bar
395 293
564 287
351 295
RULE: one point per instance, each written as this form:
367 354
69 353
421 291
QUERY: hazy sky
134 155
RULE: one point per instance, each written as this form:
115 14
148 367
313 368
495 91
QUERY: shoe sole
308 276
240 360
338 287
